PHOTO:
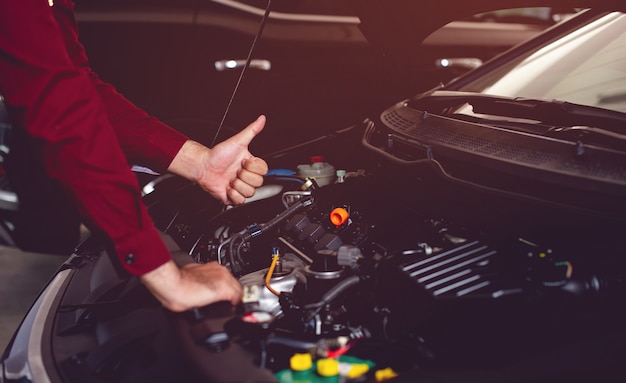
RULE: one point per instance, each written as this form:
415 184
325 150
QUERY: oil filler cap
339 216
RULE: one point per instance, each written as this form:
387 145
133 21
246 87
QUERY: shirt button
129 258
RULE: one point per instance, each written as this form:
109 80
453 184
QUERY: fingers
193 285
255 165
247 181
253 174
222 283
239 191
212 283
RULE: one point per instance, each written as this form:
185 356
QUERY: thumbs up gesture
228 171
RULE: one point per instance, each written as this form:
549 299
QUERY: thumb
246 135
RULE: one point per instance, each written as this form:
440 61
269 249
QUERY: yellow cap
328 367
358 370
384 374
301 362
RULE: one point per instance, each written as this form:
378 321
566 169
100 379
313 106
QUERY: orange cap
339 216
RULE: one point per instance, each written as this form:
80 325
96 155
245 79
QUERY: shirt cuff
164 145
142 252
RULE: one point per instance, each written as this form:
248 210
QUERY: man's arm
58 105
143 138
148 142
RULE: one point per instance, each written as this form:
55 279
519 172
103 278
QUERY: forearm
187 161
163 282
144 139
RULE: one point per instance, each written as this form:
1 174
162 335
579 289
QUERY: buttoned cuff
142 251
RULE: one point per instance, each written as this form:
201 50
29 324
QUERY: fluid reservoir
323 172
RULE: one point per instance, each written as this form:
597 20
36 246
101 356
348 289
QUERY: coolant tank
323 172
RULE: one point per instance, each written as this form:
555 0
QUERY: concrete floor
22 277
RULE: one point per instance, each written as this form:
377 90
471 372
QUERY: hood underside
395 27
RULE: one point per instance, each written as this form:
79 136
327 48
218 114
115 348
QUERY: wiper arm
549 112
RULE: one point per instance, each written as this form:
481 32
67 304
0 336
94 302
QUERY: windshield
585 67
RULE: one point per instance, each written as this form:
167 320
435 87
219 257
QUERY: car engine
412 274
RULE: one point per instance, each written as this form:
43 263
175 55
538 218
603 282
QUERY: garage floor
22 277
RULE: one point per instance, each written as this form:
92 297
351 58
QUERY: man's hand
228 171
193 285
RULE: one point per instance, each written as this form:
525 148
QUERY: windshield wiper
554 113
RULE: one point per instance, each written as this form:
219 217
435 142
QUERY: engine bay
361 268
407 274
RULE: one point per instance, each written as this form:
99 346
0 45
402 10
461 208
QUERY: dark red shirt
90 132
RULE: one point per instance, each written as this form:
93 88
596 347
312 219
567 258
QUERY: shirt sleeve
67 114
144 139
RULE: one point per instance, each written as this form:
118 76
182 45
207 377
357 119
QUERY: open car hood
395 28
